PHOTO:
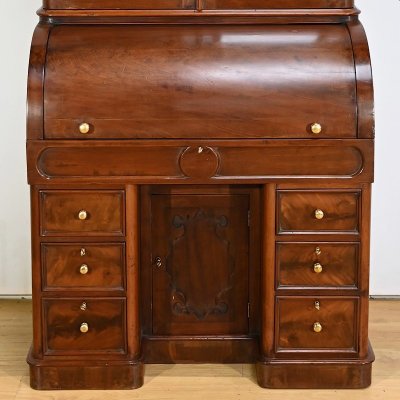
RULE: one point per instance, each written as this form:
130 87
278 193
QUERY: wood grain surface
177 381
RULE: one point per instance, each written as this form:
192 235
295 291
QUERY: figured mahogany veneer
296 264
297 211
105 319
296 316
62 263
60 213
186 100
200 177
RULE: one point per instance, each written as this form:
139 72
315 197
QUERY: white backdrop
381 20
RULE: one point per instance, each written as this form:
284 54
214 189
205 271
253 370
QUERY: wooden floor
199 382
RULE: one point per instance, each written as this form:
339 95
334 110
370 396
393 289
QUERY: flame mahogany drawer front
83 266
317 265
88 325
313 211
77 213
316 324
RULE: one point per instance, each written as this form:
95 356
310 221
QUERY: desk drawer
317 265
313 211
77 213
75 326
316 324
87 266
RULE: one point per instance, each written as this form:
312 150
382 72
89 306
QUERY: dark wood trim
132 271
316 374
157 161
364 267
196 349
37 346
192 4
37 59
320 12
199 20
268 271
53 374
365 90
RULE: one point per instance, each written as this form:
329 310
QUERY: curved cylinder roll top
178 81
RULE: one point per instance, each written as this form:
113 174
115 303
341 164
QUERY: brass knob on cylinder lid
84 128
317 268
319 214
316 128
84 269
84 327
317 327
82 215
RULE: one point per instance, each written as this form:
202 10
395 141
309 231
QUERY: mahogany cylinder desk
200 176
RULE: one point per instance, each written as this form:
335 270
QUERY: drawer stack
310 315
83 272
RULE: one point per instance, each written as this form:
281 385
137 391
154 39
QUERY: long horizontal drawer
314 324
78 326
88 266
206 161
318 211
82 212
317 265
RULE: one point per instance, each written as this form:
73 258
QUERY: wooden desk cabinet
200 177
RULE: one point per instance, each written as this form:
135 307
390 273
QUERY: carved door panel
200 254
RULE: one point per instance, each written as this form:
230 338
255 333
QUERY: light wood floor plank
197 382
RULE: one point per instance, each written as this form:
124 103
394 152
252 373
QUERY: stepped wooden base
112 375
318 374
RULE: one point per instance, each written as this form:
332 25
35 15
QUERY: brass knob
83 306
84 327
319 214
317 327
82 215
84 269
84 128
317 268
316 128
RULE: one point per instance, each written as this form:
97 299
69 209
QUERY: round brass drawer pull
318 268
84 269
317 327
84 128
84 327
319 214
316 128
82 215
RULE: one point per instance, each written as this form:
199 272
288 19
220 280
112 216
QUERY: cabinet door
200 256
